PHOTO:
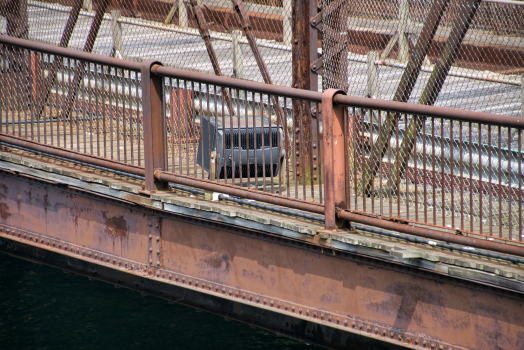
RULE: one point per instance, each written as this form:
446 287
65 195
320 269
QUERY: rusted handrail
431 111
334 128
70 53
240 84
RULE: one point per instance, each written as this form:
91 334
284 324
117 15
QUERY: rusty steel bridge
345 221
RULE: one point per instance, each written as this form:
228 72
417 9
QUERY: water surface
42 307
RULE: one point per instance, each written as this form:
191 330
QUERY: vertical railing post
522 95
334 162
155 157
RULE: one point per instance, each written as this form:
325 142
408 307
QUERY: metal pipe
433 234
268 89
240 192
432 111
70 53
73 155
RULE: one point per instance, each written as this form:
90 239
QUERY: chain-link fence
463 54
167 31
460 54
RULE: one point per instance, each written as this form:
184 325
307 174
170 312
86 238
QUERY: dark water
42 307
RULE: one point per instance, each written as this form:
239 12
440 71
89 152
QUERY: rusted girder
204 33
312 289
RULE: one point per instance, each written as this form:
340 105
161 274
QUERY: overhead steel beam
64 42
204 33
404 89
434 84
80 67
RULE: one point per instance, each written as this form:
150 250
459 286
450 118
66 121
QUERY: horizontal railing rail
393 165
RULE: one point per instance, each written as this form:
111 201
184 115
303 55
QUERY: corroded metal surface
394 304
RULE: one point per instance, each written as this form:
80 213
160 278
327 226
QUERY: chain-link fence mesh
470 55
168 31
480 45
82 106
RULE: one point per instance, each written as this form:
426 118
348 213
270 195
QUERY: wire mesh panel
64 102
458 53
239 137
462 176
167 31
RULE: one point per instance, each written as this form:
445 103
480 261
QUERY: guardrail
392 165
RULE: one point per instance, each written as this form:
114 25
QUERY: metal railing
435 172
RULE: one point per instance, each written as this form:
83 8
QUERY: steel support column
155 141
334 156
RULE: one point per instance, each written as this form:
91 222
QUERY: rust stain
116 225
4 211
218 261
402 300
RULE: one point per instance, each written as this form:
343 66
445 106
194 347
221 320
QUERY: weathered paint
397 305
